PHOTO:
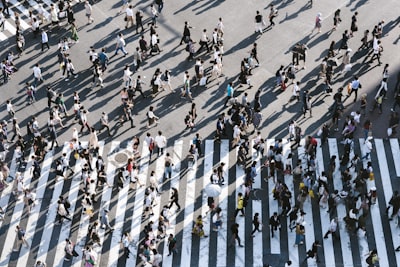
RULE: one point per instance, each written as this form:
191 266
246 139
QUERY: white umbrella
213 190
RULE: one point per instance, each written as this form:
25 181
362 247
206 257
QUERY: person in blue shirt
229 92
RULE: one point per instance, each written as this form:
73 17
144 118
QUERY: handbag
126 18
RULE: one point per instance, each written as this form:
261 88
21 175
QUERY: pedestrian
37 74
313 252
186 88
74 33
354 26
172 245
318 23
217 219
120 45
336 19
354 86
272 14
174 199
300 234
377 51
186 33
235 234
70 70
105 220
103 60
126 240
129 16
372 258
151 118
70 251
88 11
229 93
154 14
367 148
40 264
332 228
161 143
257 223
89 256
204 42
104 123
306 103
21 238
62 212
168 164
259 22
45 40
275 223
239 206
139 21
138 86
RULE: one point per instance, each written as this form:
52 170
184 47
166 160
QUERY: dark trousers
139 25
176 203
45 44
237 211
355 92
256 228
203 44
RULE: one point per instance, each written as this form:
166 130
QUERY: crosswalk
22 8
47 240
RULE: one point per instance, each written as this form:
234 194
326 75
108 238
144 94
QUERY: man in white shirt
129 16
45 40
37 73
204 41
161 143
367 148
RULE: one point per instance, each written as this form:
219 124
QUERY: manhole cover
121 158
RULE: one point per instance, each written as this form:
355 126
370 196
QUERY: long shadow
101 24
294 15
211 4
191 3
359 4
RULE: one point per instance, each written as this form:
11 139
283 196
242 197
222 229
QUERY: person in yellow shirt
240 205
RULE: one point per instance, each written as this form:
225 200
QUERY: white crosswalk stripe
126 207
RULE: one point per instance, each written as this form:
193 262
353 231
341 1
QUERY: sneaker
66 80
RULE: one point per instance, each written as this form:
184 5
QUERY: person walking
257 223
259 22
174 199
126 240
367 148
120 45
139 21
168 164
62 212
45 40
161 143
88 11
105 221
332 228
275 223
186 33
239 206
272 14
229 93
70 251
105 123
172 245
313 252
372 258
354 85
21 238
318 23
235 234
37 74
74 33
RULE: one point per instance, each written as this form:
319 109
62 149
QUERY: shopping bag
203 81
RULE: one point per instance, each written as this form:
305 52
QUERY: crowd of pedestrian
242 119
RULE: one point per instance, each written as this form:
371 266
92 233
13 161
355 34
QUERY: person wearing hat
367 148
